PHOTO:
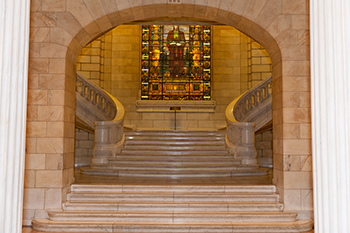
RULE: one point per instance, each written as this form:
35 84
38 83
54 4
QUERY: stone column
330 94
14 43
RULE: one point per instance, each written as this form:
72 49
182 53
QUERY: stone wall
259 63
95 61
263 144
238 63
126 69
226 69
84 143
60 30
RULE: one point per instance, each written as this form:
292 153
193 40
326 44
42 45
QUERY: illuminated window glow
176 62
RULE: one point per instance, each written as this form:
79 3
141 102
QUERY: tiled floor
83 179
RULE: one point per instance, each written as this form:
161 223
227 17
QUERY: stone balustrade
253 108
107 113
97 97
255 105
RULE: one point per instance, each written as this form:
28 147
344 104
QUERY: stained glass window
176 62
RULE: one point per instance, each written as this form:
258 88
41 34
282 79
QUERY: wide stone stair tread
172 143
144 227
176 133
175 207
191 169
174 160
126 152
174 138
170 173
176 166
176 148
173 197
208 157
260 189
170 216
172 163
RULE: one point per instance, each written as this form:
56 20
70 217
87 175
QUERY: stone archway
61 30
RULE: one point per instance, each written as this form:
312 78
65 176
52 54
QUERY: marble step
176 133
172 197
170 217
174 143
173 138
175 147
174 207
173 174
300 226
172 160
175 153
175 167
233 189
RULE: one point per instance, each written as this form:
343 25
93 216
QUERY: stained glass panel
176 62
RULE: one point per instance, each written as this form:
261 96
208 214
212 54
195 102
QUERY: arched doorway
267 22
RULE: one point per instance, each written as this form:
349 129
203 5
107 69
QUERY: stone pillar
330 86
14 43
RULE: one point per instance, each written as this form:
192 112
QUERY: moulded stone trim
164 106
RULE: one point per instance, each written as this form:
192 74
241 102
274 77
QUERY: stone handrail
255 105
251 108
107 113
99 98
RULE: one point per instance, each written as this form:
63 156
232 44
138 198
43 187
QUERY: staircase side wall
84 143
263 145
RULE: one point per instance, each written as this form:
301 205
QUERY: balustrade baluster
100 101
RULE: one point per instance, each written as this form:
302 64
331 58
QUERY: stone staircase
172 208
174 154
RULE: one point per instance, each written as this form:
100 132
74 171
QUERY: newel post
109 140
240 140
